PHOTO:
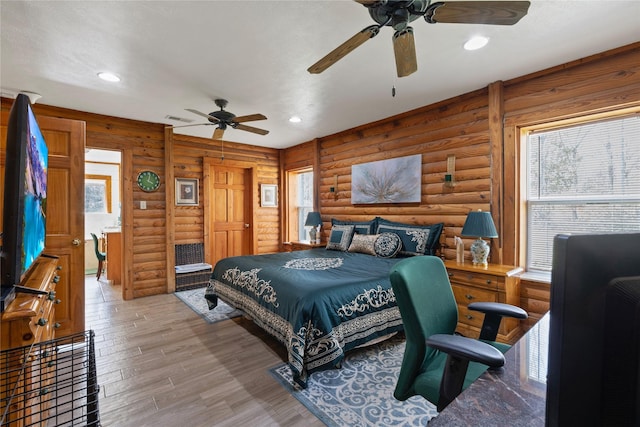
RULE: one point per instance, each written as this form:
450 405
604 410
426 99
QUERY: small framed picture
268 195
186 192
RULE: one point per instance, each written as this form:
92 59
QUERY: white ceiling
173 55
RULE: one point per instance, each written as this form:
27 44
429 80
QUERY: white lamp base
480 252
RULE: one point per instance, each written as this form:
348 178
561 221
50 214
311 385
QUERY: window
300 202
97 194
583 178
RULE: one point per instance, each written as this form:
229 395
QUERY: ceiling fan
399 13
224 119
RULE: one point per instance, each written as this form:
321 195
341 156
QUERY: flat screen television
583 366
25 193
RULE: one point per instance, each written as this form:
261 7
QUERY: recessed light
295 119
109 77
476 42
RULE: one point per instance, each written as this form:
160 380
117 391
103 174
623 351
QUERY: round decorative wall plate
148 181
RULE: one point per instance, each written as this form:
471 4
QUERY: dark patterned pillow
387 245
416 239
340 237
363 243
360 227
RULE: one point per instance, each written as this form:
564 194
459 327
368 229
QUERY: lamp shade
479 224
313 219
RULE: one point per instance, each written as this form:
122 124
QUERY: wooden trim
496 114
170 210
127 224
107 190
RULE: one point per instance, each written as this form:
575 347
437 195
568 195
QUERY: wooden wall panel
455 127
188 156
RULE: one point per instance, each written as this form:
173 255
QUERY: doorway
103 215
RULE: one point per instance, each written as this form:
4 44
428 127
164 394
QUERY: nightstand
489 283
301 245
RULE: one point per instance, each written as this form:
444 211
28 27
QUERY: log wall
482 130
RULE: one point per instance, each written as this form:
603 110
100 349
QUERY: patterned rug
194 298
361 392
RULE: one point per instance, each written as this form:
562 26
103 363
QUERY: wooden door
65 216
230 212
65 213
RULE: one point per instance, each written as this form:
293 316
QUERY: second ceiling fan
399 13
224 119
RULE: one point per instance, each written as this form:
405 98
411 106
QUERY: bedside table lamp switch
479 224
313 221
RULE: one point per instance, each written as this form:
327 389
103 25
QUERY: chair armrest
467 348
499 308
460 351
493 314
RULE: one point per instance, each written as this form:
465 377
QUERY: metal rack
51 383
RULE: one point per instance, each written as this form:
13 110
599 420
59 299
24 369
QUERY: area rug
194 298
361 392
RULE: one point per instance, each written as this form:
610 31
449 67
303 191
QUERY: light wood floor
160 364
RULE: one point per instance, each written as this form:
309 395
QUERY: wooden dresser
491 283
29 319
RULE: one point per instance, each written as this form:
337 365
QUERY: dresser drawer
470 317
488 281
466 295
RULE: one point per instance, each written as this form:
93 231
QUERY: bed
320 303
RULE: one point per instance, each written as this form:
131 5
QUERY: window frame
526 202
292 224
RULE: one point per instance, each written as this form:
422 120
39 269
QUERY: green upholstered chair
437 364
100 255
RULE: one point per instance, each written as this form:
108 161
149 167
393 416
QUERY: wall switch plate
143 204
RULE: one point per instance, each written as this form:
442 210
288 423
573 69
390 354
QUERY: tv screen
578 365
25 193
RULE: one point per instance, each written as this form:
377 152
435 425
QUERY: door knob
76 242
246 226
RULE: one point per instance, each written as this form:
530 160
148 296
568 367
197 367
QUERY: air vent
178 119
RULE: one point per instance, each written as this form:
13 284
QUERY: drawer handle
57 301
488 281
42 321
59 268
469 296
450 274
52 295
468 316
56 325
56 279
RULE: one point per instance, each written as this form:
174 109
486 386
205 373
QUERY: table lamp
479 224
313 220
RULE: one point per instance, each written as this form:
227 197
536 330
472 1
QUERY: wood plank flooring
160 364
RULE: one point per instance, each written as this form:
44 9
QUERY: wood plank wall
467 126
188 154
473 127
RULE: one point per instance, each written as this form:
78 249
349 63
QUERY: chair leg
99 269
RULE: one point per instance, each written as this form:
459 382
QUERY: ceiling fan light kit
399 13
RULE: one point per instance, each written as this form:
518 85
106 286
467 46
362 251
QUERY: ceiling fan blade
249 118
404 48
252 129
217 134
477 12
345 48
211 118
193 124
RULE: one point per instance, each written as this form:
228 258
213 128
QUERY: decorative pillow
340 237
416 239
363 243
362 227
387 245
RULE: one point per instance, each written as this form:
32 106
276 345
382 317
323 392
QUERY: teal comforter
319 303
